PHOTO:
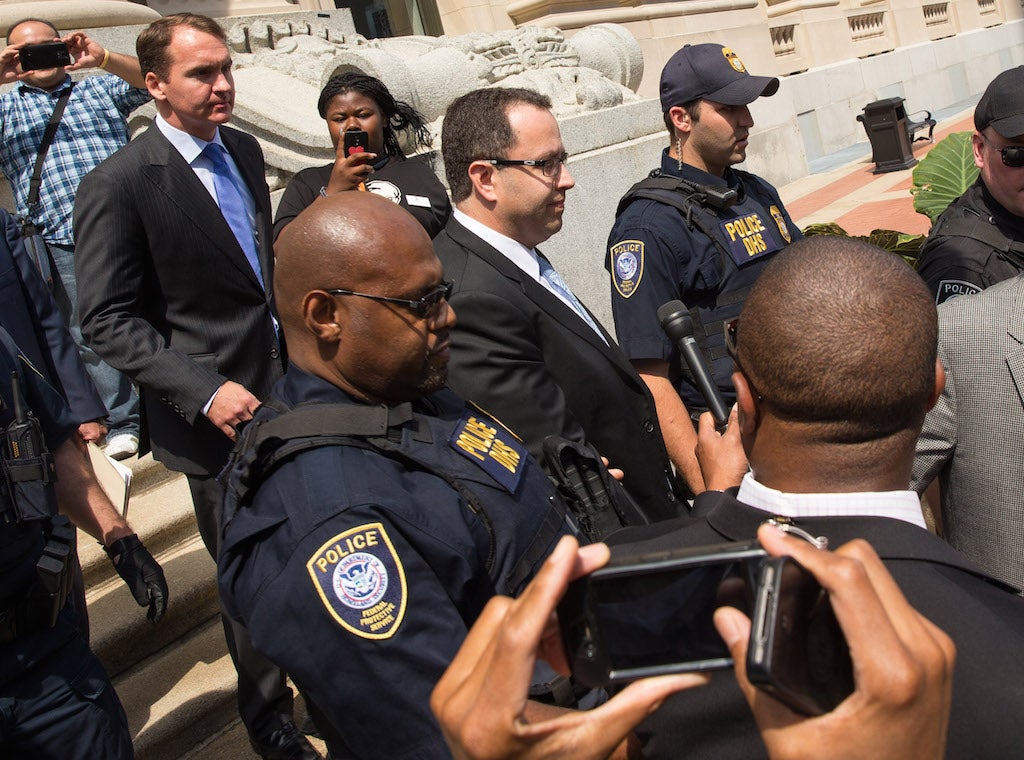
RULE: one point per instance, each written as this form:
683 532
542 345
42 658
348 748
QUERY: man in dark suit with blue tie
176 269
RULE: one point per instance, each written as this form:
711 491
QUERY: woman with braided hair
355 101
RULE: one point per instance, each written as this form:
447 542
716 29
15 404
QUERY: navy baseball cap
1002 105
713 72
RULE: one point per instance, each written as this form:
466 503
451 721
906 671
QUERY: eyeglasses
732 336
549 167
1012 155
422 307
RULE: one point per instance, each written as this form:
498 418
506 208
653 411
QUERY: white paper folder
115 478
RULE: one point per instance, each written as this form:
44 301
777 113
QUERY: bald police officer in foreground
371 514
698 231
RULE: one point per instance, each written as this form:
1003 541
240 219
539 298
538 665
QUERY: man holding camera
92 126
835 368
698 231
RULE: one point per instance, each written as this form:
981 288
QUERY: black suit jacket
167 295
29 313
984 619
532 362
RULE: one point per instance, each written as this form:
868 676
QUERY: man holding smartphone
93 125
835 368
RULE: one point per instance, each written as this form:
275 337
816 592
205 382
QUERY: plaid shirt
94 125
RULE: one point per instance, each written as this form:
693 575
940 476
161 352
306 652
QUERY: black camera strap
44 147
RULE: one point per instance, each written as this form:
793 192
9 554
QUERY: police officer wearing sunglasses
979 240
370 513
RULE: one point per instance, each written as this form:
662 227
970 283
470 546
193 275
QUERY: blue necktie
554 279
232 206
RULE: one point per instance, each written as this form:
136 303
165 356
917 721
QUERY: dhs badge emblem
361 581
780 222
734 60
627 266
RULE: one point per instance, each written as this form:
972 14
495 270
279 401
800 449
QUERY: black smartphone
356 141
651 614
46 55
797 652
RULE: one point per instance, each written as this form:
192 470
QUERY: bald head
841 336
385 338
355 240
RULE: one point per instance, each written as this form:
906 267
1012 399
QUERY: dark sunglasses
1012 155
732 334
422 307
732 337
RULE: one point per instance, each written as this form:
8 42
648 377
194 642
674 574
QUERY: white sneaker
122 446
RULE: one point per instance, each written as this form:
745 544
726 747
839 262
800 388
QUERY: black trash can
885 121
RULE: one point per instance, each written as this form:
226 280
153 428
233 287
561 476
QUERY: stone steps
175 679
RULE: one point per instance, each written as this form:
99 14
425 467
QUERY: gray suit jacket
167 295
973 440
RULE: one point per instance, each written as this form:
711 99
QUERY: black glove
142 573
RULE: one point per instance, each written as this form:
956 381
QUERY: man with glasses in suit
525 347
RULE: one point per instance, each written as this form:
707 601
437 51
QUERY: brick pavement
860 201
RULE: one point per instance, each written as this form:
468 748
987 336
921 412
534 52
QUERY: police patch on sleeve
780 222
491 447
361 581
627 266
953 288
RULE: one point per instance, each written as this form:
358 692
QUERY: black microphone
676 322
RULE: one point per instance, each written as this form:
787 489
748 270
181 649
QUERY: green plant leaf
943 175
902 243
896 242
825 228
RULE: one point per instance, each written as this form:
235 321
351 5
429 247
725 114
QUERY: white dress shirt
524 258
899 505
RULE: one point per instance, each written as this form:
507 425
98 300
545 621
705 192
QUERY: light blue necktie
554 279
232 206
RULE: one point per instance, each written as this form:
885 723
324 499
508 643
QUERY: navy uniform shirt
22 543
360 575
956 265
654 258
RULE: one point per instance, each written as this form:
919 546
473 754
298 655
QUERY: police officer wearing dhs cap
697 231
56 701
979 240
370 513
